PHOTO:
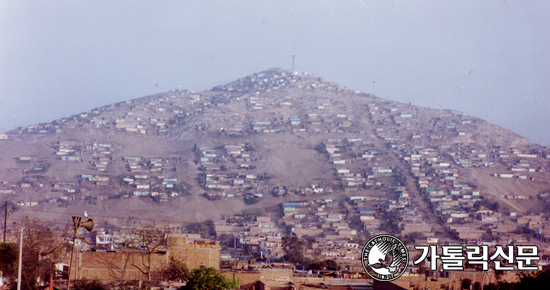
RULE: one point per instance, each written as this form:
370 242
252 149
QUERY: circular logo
385 257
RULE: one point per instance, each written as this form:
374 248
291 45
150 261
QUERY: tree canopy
208 279
294 249
206 229
328 265
9 253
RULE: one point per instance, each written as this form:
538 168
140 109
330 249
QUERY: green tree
392 217
9 253
322 149
294 249
411 237
251 200
328 264
201 179
206 229
229 240
208 279
248 147
494 206
309 241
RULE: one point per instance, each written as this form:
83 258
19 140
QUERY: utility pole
5 220
89 224
293 56
76 221
20 261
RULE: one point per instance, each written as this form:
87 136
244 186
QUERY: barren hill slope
268 138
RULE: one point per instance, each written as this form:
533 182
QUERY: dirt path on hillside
414 192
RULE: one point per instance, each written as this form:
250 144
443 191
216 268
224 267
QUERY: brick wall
134 266
203 253
247 280
278 275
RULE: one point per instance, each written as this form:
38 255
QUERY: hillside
272 137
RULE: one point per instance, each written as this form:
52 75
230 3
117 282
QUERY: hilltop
273 137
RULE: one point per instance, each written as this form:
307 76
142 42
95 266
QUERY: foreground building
132 265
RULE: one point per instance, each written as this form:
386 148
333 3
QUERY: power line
106 216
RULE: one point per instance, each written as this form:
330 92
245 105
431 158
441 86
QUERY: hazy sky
490 59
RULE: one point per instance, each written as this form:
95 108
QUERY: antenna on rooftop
293 56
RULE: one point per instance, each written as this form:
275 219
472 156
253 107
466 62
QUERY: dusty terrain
172 125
